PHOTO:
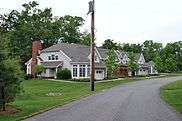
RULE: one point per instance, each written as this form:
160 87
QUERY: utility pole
92 11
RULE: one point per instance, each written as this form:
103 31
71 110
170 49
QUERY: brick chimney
36 47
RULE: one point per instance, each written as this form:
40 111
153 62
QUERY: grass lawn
35 98
172 94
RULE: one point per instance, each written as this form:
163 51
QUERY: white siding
141 59
125 59
61 57
28 68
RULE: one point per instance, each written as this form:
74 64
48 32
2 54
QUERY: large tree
109 44
151 49
132 65
111 63
33 23
10 74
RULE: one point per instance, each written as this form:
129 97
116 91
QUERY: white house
76 58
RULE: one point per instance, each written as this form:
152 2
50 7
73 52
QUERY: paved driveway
136 101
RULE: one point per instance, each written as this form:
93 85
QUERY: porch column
78 68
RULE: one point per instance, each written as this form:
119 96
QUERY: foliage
109 44
151 49
10 73
63 73
159 64
31 23
135 48
111 63
167 59
39 69
132 65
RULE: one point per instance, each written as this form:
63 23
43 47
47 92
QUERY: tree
159 65
39 69
10 75
151 50
111 63
33 23
132 65
86 38
170 64
135 48
109 44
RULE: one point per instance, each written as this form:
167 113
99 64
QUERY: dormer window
49 57
53 57
56 57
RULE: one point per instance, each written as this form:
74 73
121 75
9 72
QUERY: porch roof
52 64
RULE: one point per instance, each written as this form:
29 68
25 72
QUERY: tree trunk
133 73
3 99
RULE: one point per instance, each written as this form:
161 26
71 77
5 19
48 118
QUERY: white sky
125 21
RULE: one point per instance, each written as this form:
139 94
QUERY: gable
97 56
141 59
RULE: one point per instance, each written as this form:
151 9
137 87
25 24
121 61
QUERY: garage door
99 74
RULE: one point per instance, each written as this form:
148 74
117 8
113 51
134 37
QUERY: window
88 71
99 71
82 70
56 57
49 57
53 57
75 70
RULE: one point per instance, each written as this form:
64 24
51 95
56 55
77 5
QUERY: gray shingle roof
137 56
52 64
102 52
76 52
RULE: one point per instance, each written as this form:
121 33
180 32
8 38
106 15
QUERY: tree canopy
10 74
32 23
111 62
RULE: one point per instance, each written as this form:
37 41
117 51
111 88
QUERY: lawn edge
91 94
166 102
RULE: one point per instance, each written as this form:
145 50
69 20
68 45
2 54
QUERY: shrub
63 74
39 69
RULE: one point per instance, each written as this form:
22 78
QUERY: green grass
34 99
172 94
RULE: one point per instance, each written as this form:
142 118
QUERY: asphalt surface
136 101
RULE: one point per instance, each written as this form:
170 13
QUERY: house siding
61 57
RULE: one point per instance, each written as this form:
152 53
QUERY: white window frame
75 68
82 71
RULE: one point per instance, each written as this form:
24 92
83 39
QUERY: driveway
136 101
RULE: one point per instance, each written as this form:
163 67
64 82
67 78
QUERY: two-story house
76 58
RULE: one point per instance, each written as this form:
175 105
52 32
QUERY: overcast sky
125 21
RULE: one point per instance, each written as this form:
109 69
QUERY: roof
76 52
137 56
52 64
102 52
151 63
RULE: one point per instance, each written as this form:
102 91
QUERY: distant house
76 58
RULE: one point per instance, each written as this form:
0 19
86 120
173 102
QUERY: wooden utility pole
92 11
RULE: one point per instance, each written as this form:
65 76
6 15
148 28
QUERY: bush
39 69
63 74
